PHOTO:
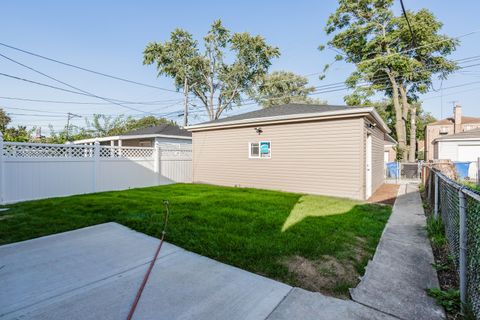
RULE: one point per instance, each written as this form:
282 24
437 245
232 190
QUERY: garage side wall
320 157
378 164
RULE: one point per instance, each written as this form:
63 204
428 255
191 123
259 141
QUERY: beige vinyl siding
378 165
318 157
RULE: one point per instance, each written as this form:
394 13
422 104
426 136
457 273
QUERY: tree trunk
413 133
399 123
406 107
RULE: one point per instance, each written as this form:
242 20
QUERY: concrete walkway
400 271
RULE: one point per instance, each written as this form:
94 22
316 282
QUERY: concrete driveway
95 272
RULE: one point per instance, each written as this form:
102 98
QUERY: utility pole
70 116
185 93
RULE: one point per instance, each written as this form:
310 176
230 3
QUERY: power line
340 86
66 90
37 115
34 110
88 70
53 87
104 74
70 86
414 41
154 102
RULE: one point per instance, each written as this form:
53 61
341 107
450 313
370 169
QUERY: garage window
260 149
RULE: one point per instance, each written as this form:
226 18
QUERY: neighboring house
389 153
316 149
463 146
146 137
444 127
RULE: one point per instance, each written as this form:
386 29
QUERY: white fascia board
456 140
319 115
130 137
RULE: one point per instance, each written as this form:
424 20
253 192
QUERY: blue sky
109 36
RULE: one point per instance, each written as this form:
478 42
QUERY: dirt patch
386 194
328 274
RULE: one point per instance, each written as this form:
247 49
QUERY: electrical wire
69 85
88 70
414 41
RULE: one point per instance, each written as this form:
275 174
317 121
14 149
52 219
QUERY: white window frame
250 156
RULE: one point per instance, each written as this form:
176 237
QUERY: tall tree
18 134
380 44
4 120
61 136
103 125
147 121
386 111
282 87
179 59
217 83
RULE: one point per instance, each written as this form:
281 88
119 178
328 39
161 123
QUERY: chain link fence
403 171
459 209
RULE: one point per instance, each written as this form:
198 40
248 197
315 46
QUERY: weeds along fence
459 209
31 171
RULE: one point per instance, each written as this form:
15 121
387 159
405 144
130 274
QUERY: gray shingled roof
461 135
164 129
283 110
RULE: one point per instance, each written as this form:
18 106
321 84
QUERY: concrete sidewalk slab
95 272
305 305
400 271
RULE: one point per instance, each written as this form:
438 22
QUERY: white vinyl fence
36 170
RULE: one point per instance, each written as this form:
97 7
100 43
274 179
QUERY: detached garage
317 149
463 146
460 147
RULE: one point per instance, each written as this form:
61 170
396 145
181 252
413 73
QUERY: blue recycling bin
462 169
392 169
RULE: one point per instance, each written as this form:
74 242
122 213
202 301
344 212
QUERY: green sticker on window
264 147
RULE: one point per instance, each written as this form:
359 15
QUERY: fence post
428 184
96 164
157 152
68 147
2 172
462 207
436 191
478 171
398 172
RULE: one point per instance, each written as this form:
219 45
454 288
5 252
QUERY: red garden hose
152 263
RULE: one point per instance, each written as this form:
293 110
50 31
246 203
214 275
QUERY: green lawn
315 242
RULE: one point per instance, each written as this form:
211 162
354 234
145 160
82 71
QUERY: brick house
453 125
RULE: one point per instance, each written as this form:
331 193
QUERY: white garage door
468 153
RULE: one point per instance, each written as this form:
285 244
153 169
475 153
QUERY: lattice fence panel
180 153
126 152
14 150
